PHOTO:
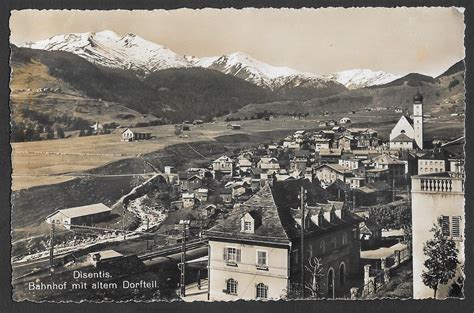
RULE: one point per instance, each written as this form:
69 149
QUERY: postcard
237 154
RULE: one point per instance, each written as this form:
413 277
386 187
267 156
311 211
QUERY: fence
376 279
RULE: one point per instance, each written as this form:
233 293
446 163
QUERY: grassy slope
176 94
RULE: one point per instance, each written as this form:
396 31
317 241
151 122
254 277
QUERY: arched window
342 274
231 286
309 252
262 291
330 283
322 246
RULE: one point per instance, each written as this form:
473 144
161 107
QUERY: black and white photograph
263 154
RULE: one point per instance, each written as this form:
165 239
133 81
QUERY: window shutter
238 255
455 226
225 256
445 225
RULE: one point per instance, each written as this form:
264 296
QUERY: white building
188 200
83 215
412 128
436 196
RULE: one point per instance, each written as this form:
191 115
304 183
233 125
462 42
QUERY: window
231 286
334 242
456 226
232 255
262 291
445 225
309 252
247 226
344 239
322 246
261 259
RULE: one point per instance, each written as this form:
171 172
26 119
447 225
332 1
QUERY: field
49 162
53 161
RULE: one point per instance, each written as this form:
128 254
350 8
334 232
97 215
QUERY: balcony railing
438 184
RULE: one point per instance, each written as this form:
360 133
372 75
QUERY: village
334 212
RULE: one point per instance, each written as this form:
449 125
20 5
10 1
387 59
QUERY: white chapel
408 133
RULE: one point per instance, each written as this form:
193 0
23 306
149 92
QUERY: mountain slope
360 78
108 49
172 94
131 52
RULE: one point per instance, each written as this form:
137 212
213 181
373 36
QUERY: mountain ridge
131 52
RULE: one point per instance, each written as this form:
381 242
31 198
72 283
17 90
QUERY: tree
315 269
442 260
59 132
82 133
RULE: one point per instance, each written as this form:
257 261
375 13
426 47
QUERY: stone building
255 252
436 196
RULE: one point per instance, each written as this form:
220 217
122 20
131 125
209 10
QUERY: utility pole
182 283
353 200
393 188
51 249
302 199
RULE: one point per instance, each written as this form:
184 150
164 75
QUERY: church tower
418 119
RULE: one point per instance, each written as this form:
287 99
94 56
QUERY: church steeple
418 118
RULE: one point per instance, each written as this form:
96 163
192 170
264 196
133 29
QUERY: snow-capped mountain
360 78
108 49
131 52
244 66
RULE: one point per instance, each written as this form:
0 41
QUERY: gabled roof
271 230
138 130
386 159
84 210
402 138
336 167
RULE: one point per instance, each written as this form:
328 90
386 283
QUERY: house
202 194
255 252
370 234
223 165
268 165
234 126
402 142
344 120
194 182
356 182
395 167
197 122
338 191
291 144
412 128
244 163
322 144
188 200
332 123
330 155
226 195
435 161
347 143
83 215
350 163
208 210
132 134
300 160
436 197
329 173
323 124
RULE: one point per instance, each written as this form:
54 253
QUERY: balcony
446 182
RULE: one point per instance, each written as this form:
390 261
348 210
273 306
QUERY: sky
320 41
